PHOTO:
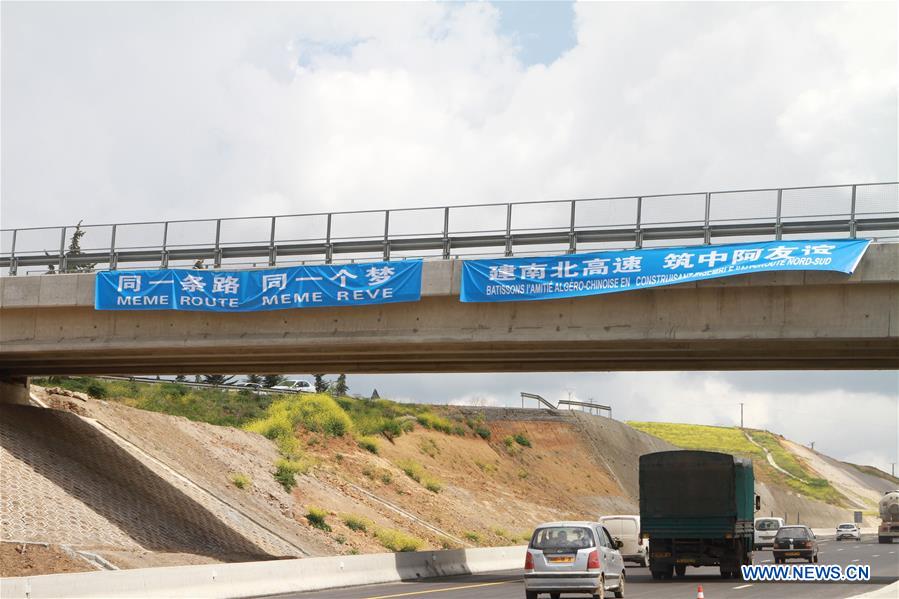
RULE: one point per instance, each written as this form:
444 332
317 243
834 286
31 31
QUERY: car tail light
528 561
593 560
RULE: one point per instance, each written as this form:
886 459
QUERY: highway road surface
883 559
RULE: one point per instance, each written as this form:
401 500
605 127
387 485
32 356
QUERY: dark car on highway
795 542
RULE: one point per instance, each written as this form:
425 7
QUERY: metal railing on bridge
518 228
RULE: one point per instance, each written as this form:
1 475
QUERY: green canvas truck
697 509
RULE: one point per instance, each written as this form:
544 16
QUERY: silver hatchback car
573 558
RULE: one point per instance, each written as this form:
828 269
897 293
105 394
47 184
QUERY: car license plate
792 554
567 559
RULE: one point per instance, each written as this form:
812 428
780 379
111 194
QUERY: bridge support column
14 390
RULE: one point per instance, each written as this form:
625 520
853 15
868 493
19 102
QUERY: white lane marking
839 549
743 586
876 555
765 561
855 560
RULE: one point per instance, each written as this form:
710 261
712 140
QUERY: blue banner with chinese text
256 290
574 275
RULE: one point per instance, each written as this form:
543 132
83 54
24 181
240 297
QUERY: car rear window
767 525
847 526
791 532
556 538
620 526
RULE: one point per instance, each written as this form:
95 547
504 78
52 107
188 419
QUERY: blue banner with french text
574 275
258 290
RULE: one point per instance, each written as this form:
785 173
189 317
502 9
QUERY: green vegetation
395 540
316 413
428 447
367 443
223 407
416 472
472 536
477 425
697 436
286 471
732 440
439 423
240 480
356 523
522 440
485 467
316 517
512 445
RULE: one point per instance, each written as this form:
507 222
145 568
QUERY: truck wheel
656 574
530 594
882 540
680 570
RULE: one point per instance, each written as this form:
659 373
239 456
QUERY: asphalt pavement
883 559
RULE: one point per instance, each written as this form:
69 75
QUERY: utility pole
893 468
813 446
741 414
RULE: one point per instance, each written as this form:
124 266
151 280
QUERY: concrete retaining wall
250 579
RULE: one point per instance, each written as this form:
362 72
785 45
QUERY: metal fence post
112 258
62 249
12 255
218 249
165 239
386 235
708 232
778 225
272 252
572 236
638 231
446 241
852 227
508 229
328 249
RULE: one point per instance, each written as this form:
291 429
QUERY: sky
149 111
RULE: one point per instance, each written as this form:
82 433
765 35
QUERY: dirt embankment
146 489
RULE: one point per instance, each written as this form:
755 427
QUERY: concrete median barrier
248 579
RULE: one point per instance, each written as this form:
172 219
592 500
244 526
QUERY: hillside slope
314 475
793 481
143 488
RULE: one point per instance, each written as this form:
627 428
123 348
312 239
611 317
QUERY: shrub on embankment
222 407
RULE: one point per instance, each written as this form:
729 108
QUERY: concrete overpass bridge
786 320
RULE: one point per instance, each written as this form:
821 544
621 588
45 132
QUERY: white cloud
170 111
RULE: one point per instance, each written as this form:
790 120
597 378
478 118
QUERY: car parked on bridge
765 531
626 529
296 386
848 530
573 558
795 542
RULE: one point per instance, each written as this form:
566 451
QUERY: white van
626 528
765 531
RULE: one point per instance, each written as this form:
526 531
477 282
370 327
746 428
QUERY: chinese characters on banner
573 275
254 290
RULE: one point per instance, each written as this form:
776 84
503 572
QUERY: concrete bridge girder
794 320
